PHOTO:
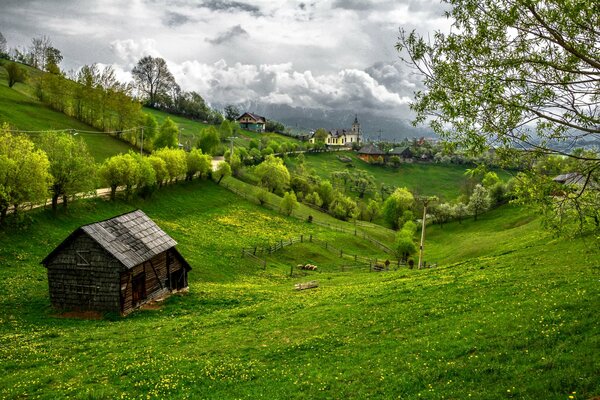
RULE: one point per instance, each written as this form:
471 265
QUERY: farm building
402 152
252 122
370 153
115 265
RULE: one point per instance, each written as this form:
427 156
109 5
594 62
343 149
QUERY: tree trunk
65 201
54 201
3 212
113 192
219 181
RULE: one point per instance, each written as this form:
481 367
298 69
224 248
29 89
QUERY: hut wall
83 276
157 283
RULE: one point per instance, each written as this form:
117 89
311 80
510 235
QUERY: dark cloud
230 6
230 34
359 5
173 19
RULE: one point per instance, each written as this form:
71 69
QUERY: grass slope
520 323
443 180
21 110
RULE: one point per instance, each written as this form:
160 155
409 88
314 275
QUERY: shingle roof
370 149
131 238
255 117
571 178
399 150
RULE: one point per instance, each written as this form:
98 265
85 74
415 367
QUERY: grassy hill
21 110
443 180
510 314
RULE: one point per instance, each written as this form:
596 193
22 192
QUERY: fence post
341 253
254 250
325 245
310 238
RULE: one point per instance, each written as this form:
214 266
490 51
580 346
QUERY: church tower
356 129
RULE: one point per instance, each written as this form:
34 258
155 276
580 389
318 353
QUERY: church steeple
356 129
356 118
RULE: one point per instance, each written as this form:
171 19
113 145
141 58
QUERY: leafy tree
15 74
372 211
236 164
460 211
38 51
153 79
159 166
146 180
53 57
274 126
289 203
321 135
231 112
150 131
175 161
395 205
223 170
314 198
490 179
442 213
273 174
209 140
24 175
225 130
71 165
120 170
343 207
262 196
479 201
519 74
167 135
197 163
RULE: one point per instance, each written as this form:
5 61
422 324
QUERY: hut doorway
178 279
138 288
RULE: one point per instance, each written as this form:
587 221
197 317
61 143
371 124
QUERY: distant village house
115 265
342 137
252 122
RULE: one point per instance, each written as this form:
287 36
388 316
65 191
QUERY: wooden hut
370 153
115 265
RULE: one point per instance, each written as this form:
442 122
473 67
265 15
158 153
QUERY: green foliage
175 161
71 165
404 245
396 204
197 163
479 202
490 179
231 112
321 135
120 170
325 191
442 213
289 203
225 130
273 174
150 131
24 175
160 169
153 79
314 198
223 170
343 207
167 135
209 140
274 126
15 74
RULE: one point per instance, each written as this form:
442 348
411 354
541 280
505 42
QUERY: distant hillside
23 111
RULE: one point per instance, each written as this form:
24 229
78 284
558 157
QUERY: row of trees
59 165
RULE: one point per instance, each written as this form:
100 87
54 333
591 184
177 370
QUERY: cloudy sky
332 54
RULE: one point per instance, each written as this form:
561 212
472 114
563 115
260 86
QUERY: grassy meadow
512 314
443 180
20 108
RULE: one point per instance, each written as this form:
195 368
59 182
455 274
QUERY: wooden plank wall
157 279
76 286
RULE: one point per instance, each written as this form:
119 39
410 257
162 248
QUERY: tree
71 165
225 130
159 166
24 175
149 132
209 140
274 126
273 174
120 170
460 211
167 135
520 74
231 112
146 180
153 79
197 163
223 170
38 51
343 207
175 161
289 203
479 201
395 205
52 57
321 135
442 213
15 74
326 192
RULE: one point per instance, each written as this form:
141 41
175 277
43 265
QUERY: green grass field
22 111
512 314
443 180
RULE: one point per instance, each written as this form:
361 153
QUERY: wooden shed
115 265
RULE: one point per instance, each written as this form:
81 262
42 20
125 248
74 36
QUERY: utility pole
426 201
